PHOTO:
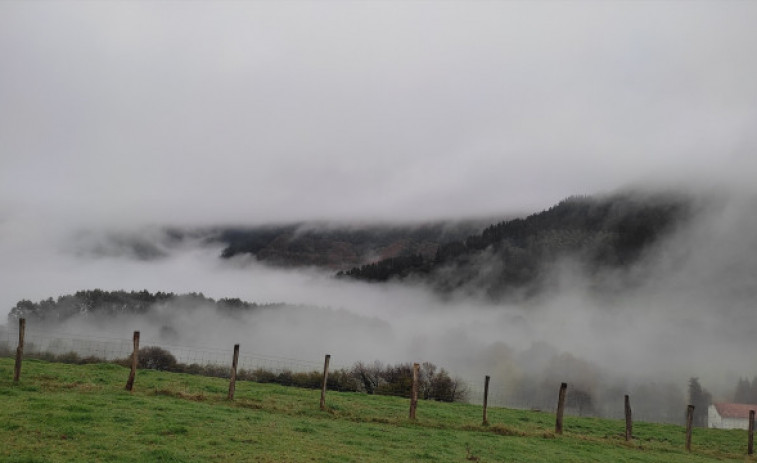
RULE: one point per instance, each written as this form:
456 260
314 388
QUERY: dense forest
340 247
599 232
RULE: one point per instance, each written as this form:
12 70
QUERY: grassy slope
81 413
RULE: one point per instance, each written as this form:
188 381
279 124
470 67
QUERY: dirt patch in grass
497 429
249 404
199 397
506 431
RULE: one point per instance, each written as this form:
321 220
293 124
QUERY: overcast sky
200 111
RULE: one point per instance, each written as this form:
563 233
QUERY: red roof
734 410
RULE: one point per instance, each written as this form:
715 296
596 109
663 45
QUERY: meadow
70 413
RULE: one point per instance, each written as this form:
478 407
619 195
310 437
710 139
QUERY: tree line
111 303
746 391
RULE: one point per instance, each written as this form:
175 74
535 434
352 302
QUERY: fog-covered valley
133 134
684 309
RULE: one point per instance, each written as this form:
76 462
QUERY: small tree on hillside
368 375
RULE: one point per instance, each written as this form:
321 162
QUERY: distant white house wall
729 416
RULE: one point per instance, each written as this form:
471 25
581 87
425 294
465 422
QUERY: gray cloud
259 111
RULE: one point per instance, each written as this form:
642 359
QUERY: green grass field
61 412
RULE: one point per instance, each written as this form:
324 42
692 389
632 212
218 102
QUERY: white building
729 416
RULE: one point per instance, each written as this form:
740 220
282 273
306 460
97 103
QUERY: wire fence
58 346
42 343
109 348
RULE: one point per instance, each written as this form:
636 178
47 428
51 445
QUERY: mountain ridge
601 232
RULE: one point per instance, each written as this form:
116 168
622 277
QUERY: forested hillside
599 232
340 247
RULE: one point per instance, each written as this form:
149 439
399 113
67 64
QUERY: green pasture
65 413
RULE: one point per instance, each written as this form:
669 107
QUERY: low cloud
687 313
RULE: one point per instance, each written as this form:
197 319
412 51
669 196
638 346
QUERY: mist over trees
601 237
434 383
525 377
104 304
338 246
746 391
513 256
511 259
701 399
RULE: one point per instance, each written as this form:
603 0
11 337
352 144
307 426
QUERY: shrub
156 358
343 381
68 357
259 375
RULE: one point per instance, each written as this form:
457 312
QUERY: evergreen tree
743 393
701 400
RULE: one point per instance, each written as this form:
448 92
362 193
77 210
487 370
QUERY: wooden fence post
486 400
134 361
629 419
560 408
19 349
689 425
414 393
325 380
750 438
233 374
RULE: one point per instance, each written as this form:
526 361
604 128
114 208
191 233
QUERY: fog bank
686 309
